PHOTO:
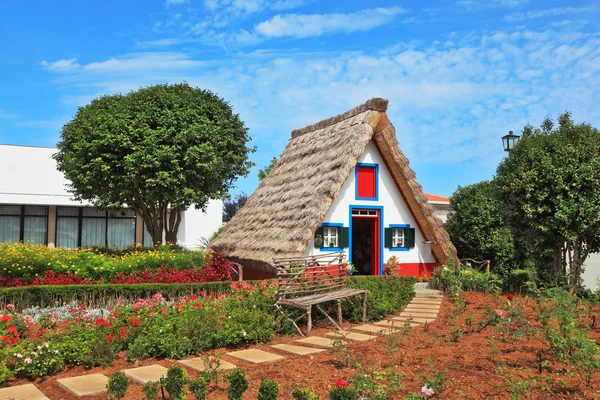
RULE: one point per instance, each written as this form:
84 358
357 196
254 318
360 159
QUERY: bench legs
339 313
309 322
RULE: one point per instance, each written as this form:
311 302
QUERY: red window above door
366 182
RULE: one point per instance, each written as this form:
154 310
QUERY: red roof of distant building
437 198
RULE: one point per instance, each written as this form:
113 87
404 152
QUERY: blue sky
459 74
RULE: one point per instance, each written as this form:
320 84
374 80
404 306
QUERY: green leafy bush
343 393
117 386
388 294
518 279
304 394
237 383
268 390
199 386
174 383
150 390
468 279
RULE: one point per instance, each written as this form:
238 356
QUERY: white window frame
331 233
398 237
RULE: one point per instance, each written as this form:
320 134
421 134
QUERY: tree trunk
558 259
173 226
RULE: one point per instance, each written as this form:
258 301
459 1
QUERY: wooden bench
304 282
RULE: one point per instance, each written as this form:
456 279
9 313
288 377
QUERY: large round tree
550 188
158 150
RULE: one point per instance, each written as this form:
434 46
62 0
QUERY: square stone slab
431 302
413 319
418 314
22 392
318 341
85 385
255 356
422 307
199 365
143 375
290 348
361 337
394 324
374 329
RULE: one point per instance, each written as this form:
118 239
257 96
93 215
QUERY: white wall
395 211
196 224
28 176
591 272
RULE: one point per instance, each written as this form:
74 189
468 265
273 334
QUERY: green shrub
468 279
343 393
237 383
518 279
388 294
268 390
304 394
150 390
174 383
117 386
199 386
5 374
103 295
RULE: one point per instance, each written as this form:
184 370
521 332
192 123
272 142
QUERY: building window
366 181
330 236
400 237
86 227
27 224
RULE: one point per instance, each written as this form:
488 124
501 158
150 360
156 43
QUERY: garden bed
473 366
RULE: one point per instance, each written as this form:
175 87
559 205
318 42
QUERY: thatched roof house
342 183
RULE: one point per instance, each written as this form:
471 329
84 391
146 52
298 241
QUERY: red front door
366 241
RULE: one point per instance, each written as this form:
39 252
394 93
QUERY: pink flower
53 320
498 312
427 391
151 314
87 325
27 360
10 306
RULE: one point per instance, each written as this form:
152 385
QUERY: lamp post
509 141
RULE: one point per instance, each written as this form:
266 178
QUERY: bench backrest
305 276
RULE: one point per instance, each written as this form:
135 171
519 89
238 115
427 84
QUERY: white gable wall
395 211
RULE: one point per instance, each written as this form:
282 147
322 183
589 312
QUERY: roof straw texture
281 216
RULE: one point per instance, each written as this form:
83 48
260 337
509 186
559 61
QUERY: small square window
398 237
330 236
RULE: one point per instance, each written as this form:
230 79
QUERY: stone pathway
423 309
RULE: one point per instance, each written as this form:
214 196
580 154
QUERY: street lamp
509 141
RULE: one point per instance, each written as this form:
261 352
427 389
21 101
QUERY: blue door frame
360 207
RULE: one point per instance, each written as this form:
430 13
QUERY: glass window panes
67 211
398 239
330 236
93 232
93 212
121 232
10 229
35 230
10 210
36 210
67 232
147 238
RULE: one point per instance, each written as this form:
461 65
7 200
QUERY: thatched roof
282 215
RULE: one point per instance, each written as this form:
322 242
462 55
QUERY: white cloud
305 25
4 114
175 2
552 12
482 4
61 65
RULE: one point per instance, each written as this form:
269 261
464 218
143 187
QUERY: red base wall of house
417 269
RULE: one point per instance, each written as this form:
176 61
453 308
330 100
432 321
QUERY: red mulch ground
471 364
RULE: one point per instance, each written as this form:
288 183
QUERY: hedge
101 295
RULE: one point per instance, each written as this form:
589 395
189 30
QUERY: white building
35 207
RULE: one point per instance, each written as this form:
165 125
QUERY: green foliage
455 281
304 394
343 393
30 360
388 294
268 390
262 173
237 383
5 373
117 386
158 150
102 295
519 279
550 191
150 390
477 227
175 381
231 207
199 386
27 261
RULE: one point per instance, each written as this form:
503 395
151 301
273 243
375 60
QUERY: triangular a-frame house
340 184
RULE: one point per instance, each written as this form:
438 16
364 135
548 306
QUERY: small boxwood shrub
388 294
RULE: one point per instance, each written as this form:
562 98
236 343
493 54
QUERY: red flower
102 322
15 340
5 339
13 329
110 337
6 318
510 297
135 322
196 305
122 332
341 383
115 314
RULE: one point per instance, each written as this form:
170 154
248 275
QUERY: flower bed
22 264
41 342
